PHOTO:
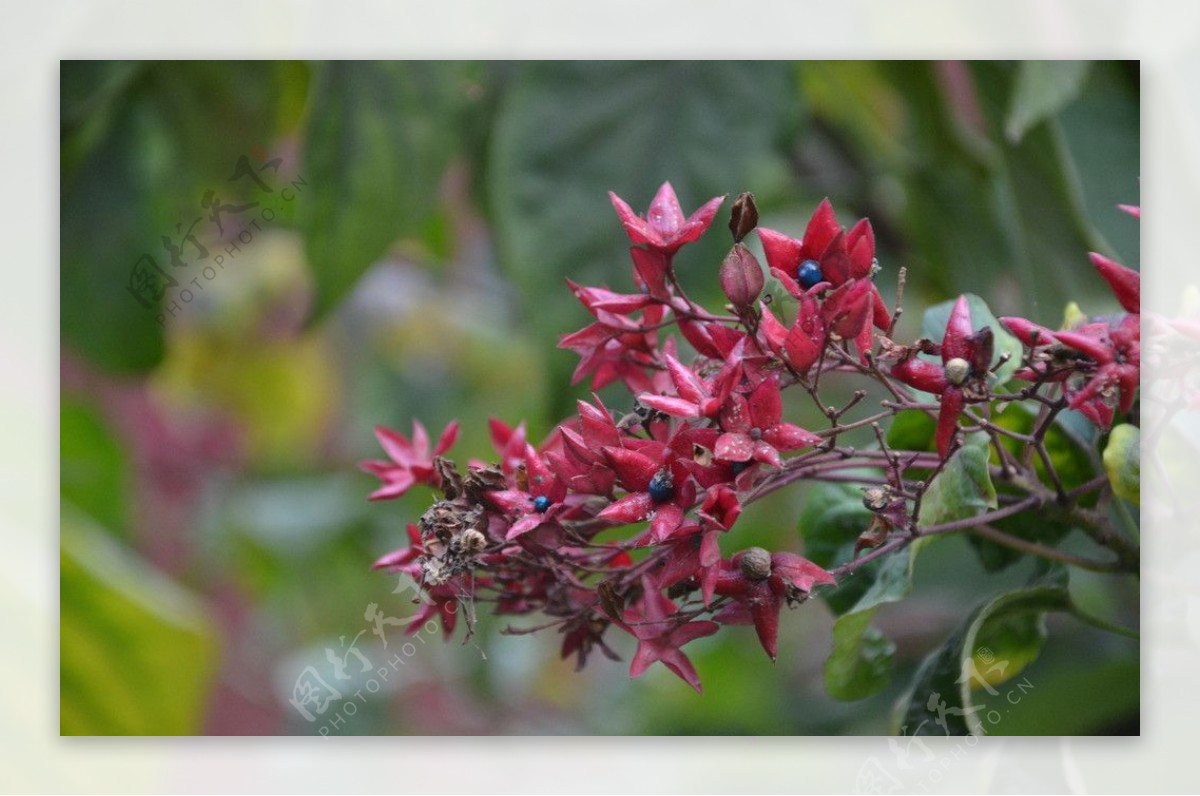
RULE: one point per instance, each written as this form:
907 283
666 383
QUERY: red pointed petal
1126 283
921 374
634 470
394 558
769 327
782 252
397 484
881 316
635 227
631 508
800 572
650 266
835 261
860 243
420 440
686 383
766 624
787 437
667 518
958 329
598 427
765 452
800 349
766 404
697 223
822 228
395 445
1028 332
448 438
1099 350
952 404
675 407
665 216
734 447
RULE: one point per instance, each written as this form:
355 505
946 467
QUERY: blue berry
809 273
541 502
738 467
662 486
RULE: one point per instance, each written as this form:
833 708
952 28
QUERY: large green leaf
996 641
1043 89
1101 131
137 651
568 133
378 137
860 663
140 145
962 489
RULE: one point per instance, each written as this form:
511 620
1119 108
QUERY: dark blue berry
662 486
541 502
809 273
738 467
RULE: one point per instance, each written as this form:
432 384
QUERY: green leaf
137 651
1101 134
860 663
377 143
830 523
962 489
997 640
567 133
93 468
108 210
912 430
1070 443
1123 463
140 145
1042 90
933 326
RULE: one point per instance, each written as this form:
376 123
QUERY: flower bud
957 370
756 564
741 277
982 346
743 217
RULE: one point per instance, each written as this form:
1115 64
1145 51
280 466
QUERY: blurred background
261 261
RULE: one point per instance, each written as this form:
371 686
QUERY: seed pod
756 564
743 216
876 498
741 277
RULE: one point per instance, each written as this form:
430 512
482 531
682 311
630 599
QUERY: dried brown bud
876 498
741 277
743 216
449 479
611 602
472 541
756 564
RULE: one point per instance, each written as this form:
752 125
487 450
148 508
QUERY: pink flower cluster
703 436
1098 362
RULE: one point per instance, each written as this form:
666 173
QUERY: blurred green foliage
210 500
